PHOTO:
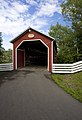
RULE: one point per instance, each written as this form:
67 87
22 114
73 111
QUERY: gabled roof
27 30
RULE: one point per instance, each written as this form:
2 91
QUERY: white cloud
15 16
11 19
32 2
13 10
49 8
19 7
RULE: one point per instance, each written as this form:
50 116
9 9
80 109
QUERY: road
30 94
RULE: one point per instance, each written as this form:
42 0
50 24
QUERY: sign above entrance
30 35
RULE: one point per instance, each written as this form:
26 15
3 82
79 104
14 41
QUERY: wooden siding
37 36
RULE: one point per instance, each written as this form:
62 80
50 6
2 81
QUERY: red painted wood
20 59
37 35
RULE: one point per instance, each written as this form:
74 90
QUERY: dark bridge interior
36 53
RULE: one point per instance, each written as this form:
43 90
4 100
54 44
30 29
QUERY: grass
71 83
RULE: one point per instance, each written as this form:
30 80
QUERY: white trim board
31 41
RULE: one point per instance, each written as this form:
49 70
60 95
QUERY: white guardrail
67 68
6 67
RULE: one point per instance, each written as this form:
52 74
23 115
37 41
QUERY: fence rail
6 67
67 68
56 68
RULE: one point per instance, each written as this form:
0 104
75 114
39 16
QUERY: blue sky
17 15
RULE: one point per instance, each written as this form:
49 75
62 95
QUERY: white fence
6 67
67 68
56 68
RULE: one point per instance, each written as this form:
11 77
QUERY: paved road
31 95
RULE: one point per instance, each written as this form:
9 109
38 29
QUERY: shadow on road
11 75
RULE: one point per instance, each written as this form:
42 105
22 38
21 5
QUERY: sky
17 15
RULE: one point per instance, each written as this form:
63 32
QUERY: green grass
71 83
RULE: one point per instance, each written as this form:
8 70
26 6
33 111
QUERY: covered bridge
34 48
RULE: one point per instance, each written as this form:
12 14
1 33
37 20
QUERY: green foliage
1 48
69 40
71 83
0 40
58 32
7 56
66 43
72 11
68 49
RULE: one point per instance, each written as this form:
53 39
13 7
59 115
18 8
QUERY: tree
7 56
59 32
1 48
72 11
67 49
65 39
